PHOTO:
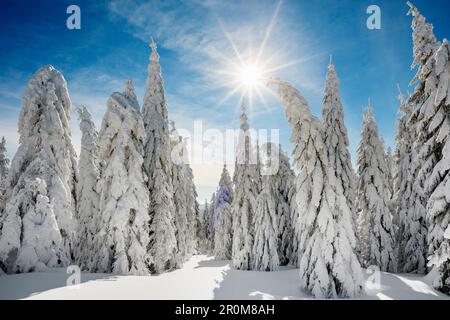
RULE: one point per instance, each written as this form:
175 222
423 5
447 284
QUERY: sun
250 75
246 72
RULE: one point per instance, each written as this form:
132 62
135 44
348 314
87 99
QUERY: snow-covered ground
201 278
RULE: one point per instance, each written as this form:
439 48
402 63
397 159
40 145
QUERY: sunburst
247 73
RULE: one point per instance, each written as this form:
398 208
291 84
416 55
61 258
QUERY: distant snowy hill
201 278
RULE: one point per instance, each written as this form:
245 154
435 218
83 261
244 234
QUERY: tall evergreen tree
180 196
4 169
158 166
120 245
431 100
224 233
204 242
286 187
87 194
376 233
409 213
408 199
336 139
192 208
244 200
323 226
212 220
271 210
4 161
39 224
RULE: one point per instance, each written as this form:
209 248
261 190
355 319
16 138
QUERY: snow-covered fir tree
323 226
200 234
375 229
425 146
180 190
269 204
244 199
4 161
336 138
120 246
158 166
409 214
286 187
88 199
224 232
431 100
192 208
205 247
39 224
4 169
212 221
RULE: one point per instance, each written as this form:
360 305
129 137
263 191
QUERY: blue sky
193 38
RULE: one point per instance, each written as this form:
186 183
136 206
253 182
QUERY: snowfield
201 277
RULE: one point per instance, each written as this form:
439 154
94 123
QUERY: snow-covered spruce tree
211 222
199 233
192 208
120 246
88 199
4 168
244 199
409 216
286 188
224 231
204 243
375 229
275 163
336 139
186 184
180 193
205 217
4 161
323 227
269 203
437 184
39 233
431 114
158 166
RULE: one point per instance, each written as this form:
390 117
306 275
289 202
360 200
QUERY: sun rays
246 70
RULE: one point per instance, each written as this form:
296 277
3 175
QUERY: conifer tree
376 232
180 196
244 200
39 224
336 138
323 223
286 188
120 245
87 194
158 166
4 161
269 206
431 101
4 168
224 233
192 208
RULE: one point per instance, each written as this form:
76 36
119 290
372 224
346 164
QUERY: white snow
201 277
